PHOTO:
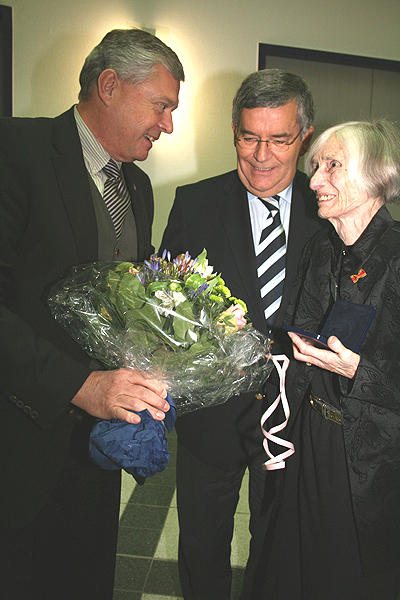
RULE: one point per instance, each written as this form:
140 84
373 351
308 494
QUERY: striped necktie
271 260
115 195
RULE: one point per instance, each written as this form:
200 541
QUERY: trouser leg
261 492
207 498
68 551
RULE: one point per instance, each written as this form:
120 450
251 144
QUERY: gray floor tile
166 477
152 495
131 573
163 579
124 595
143 517
237 582
137 542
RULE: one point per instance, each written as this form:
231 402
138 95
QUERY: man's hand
338 359
113 394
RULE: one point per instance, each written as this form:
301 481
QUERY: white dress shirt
260 215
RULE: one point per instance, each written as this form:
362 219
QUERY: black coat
47 224
370 403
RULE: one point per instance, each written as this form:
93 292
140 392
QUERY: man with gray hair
58 510
253 221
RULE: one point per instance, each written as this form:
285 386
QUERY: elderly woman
337 531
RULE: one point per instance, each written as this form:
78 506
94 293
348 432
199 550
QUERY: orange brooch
361 273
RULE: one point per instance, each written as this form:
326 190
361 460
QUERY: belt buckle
323 410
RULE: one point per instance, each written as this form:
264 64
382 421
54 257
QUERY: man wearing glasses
229 215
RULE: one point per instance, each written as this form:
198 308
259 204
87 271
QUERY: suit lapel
138 208
238 233
74 186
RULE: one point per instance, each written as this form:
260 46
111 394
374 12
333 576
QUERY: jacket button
34 414
27 410
13 399
258 396
20 404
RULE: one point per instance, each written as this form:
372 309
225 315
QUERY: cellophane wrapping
175 320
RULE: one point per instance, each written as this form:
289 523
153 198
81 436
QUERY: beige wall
217 43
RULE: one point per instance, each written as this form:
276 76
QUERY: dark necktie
115 195
271 260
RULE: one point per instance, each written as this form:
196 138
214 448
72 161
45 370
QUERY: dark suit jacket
47 224
214 214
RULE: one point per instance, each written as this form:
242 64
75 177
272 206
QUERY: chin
140 156
322 214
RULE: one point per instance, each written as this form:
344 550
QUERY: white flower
204 269
169 300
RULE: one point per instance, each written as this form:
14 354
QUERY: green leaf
194 281
156 286
184 322
212 283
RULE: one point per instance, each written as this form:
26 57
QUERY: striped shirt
94 155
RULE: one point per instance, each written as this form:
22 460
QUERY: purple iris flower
195 293
166 254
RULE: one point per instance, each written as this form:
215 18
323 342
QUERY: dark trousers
68 551
207 498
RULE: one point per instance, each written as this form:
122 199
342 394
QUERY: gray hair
372 151
272 88
133 54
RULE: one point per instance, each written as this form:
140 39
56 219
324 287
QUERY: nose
166 124
263 151
317 179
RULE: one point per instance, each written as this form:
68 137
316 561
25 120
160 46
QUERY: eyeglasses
249 142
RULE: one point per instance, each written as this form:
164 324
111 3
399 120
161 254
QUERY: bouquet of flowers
173 318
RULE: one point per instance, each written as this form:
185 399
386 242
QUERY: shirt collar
365 244
95 156
284 196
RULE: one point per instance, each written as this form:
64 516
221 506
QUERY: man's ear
306 141
234 133
107 83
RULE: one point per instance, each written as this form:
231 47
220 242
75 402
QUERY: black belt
325 410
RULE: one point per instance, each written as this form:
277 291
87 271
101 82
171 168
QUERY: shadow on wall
55 75
213 144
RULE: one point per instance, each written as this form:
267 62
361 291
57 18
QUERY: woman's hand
337 359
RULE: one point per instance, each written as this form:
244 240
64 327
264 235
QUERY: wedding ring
308 364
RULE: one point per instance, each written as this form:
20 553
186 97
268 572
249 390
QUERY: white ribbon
277 462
